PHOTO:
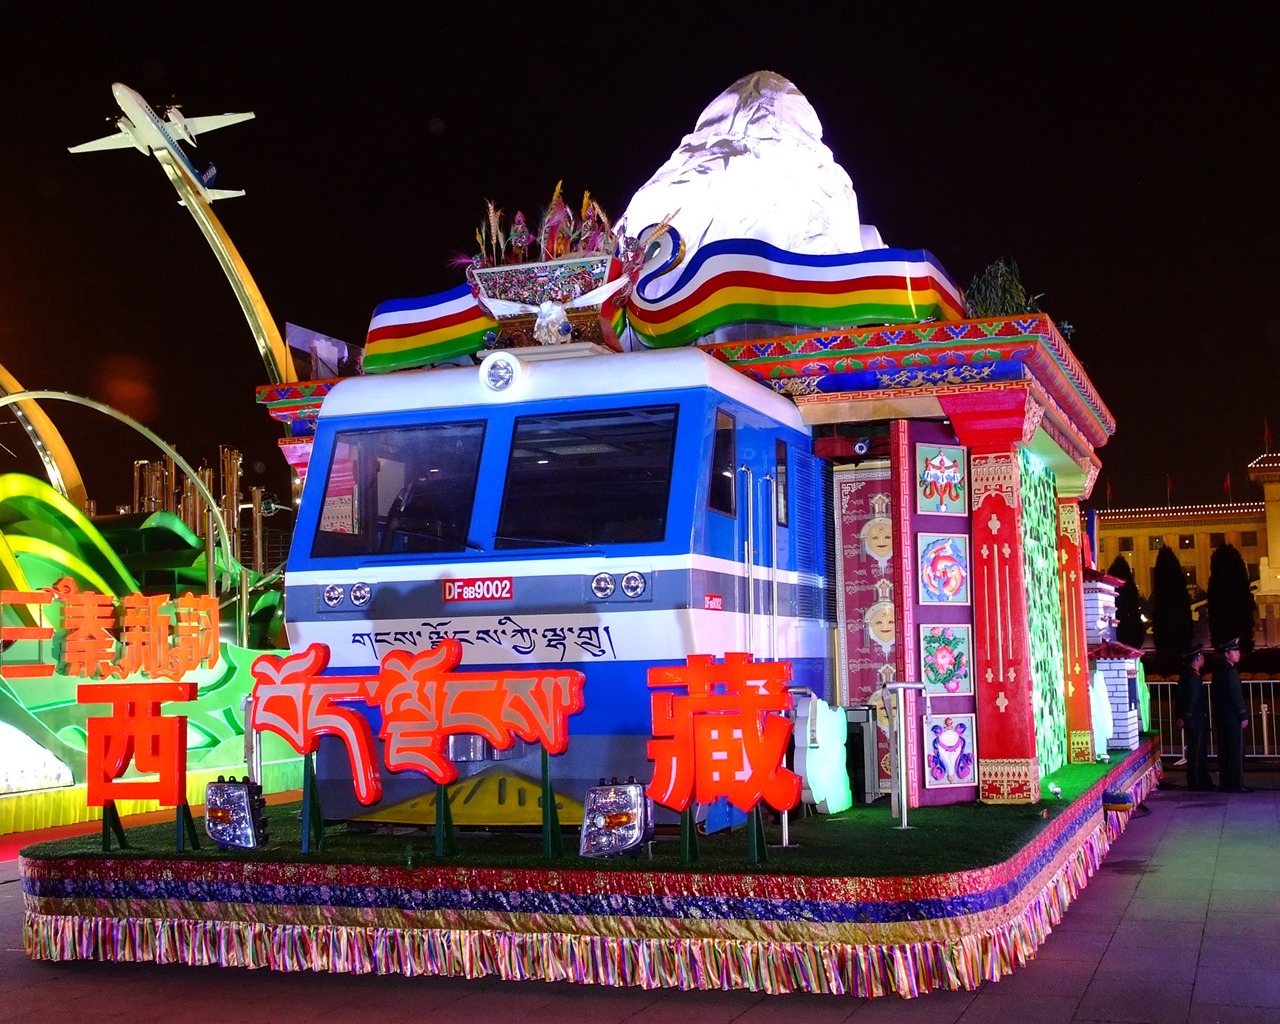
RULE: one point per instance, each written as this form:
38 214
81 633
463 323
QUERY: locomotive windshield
585 478
588 478
400 489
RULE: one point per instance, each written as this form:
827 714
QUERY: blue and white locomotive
562 507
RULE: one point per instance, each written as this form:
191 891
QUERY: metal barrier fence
1261 739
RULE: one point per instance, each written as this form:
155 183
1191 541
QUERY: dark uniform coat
1193 713
1229 712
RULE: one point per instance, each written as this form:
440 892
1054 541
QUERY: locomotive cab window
400 490
722 494
588 478
780 481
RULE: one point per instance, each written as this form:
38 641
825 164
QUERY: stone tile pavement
1181 926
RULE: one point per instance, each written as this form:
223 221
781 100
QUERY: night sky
1121 154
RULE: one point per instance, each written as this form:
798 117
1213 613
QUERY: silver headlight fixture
633 584
616 817
499 371
603 586
333 595
233 814
360 594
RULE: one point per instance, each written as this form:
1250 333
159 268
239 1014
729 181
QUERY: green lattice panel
1044 610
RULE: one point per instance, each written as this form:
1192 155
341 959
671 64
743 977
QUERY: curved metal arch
61 468
224 538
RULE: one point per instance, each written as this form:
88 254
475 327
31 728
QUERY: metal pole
259 559
773 568
137 484
242 617
210 568
252 746
899 746
749 554
229 460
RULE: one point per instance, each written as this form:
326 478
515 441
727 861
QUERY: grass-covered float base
787 925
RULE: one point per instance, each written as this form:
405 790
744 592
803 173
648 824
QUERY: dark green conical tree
1231 604
1130 629
1172 625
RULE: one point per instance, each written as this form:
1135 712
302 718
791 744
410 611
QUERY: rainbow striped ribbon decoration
733 281
405 333
743 280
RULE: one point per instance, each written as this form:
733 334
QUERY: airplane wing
200 125
117 141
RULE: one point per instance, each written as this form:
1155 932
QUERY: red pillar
993 423
1074 642
1008 769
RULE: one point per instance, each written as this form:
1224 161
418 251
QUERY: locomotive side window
722 494
586 478
780 480
400 489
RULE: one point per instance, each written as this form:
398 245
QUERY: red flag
1266 434
1108 494
1226 485
1168 488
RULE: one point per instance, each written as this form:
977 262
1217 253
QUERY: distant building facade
1193 531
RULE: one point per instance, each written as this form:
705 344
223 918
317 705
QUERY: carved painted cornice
926 358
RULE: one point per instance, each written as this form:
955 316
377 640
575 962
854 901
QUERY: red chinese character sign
423 701
152 644
40 631
725 736
136 733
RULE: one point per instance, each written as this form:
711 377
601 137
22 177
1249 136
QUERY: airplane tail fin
208 176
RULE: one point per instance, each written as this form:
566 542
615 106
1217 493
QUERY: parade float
696 501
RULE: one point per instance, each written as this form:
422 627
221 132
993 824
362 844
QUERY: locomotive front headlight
633 584
360 594
500 370
333 595
603 586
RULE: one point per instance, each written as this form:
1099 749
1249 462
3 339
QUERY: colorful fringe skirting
769 933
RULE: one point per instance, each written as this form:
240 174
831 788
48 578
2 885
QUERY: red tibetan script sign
725 736
423 702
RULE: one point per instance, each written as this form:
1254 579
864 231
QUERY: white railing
1261 739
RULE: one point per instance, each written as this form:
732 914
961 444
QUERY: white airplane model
143 129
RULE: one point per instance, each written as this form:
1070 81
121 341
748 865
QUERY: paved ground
1181 926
